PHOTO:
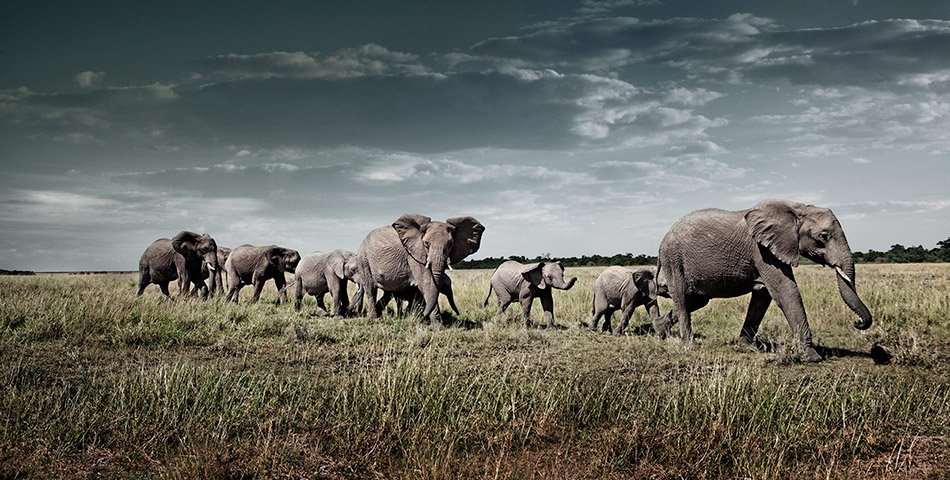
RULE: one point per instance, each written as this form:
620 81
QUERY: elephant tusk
211 267
427 265
845 277
450 267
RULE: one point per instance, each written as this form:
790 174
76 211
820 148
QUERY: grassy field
99 382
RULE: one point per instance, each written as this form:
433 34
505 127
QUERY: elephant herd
707 254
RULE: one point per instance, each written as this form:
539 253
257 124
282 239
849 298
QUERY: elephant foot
810 355
436 325
690 345
746 345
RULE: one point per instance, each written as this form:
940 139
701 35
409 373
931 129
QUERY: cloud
87 79
366 60
741 47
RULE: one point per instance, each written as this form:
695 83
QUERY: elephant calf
624 289
514 281
415 297
322 272
251 265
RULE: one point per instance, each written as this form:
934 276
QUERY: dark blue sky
565 127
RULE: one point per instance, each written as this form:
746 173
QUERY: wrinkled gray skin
413 253
513 281
415 297
252 265
624 289
717 254
181 257
322 272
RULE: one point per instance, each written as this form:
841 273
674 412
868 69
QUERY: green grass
99 382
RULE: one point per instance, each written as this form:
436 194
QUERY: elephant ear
774 224
640 276
185 243
274 257
533 274
410 228
467 237
336 264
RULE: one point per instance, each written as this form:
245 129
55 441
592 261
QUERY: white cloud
88 78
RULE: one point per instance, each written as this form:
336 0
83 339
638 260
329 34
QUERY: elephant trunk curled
848 293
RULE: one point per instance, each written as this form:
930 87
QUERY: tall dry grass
101 382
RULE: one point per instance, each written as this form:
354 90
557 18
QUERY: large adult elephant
516 282
321 272
253 265
716 253
181 257
414 252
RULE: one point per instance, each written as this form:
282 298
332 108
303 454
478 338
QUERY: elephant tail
485 303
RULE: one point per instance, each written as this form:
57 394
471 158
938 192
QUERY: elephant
253 265
624 289
322 272
413 253
715 253
181 257
223 253
415 297
514 281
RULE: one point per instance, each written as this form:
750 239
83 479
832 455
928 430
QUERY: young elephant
624 289
206 273
513 281
181 257
251 265
322 272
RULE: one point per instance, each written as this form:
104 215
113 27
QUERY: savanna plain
99 382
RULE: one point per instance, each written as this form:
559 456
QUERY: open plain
99 382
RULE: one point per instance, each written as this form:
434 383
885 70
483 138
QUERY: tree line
897 254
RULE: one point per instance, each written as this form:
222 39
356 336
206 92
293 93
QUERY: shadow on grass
877 353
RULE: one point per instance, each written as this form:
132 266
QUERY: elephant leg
625 315
298 294
683 306
371 290
321 296
526 302
163 286
233 292
608 319
595 320
757 307
784 291
258 284
280 282
144 279
344 300
334 287
184 282
547 304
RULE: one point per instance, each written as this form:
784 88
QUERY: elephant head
646 283
344 265
198 250
283 259
790 230
544 275
438 244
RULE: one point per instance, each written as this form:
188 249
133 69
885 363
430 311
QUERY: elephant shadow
451 321
878 354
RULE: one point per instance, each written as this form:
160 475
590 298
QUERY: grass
99 382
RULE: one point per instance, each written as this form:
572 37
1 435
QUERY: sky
565 127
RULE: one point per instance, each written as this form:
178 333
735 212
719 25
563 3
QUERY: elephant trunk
437 266
214 274
849 294
566 285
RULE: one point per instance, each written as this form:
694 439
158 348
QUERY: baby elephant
250 265
513 281
624 289
322 272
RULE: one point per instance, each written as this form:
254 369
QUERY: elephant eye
425 243
824 236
